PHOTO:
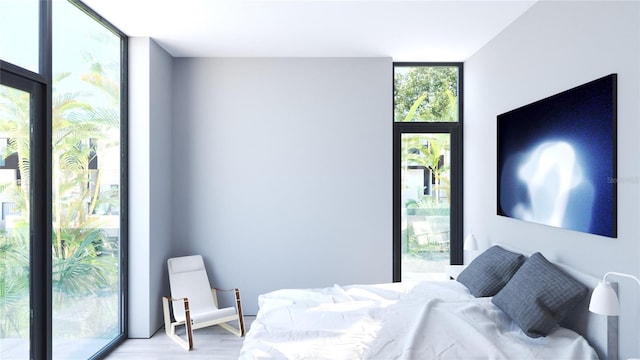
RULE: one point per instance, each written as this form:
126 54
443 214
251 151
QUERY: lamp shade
470 242
604 300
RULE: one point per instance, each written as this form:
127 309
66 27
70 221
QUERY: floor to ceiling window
427 169
62 182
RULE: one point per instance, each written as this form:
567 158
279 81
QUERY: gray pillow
490 271
539 296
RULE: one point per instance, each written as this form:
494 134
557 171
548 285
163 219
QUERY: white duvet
426 320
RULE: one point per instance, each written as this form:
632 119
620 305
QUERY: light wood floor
213 343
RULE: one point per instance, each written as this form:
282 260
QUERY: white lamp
470 242
604 300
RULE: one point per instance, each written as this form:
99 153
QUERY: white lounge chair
432 232
195 303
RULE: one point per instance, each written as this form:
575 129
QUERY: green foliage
78 267
425 202
427 94
428 150
81 267
83 261
434 91
14 286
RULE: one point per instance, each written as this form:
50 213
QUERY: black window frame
455 131
40 86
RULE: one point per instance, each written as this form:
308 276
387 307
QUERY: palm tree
14 245
79 238
428 154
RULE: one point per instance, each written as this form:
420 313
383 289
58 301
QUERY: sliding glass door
17 111
425 205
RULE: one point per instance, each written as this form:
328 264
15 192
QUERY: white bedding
426 320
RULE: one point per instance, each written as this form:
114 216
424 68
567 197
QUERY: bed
486 314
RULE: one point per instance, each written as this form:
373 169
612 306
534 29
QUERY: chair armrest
218 289
174 299
187 312
238 305
169 326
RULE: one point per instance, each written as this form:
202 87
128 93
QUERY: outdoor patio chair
432 234
195 303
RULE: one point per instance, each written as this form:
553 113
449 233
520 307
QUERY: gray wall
150 183
553 47
279 171
282 171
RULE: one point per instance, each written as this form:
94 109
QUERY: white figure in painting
554 190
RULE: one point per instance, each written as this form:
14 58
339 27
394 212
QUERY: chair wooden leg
170 328
239 309
240 330
187 321
167 314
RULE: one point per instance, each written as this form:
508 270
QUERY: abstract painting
557 159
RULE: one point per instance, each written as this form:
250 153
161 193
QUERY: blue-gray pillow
539 296
490 271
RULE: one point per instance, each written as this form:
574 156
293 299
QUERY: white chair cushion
185 264
188 279
213 315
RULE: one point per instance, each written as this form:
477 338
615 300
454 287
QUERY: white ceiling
426 30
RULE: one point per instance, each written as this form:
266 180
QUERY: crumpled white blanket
426 320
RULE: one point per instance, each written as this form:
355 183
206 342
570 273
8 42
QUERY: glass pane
14 224
425 206
19 38
86 184
425 94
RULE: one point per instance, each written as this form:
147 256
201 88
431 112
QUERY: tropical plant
14 245
14 286
426 94
427 150
81 265
79 239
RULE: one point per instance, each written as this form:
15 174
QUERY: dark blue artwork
557 160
